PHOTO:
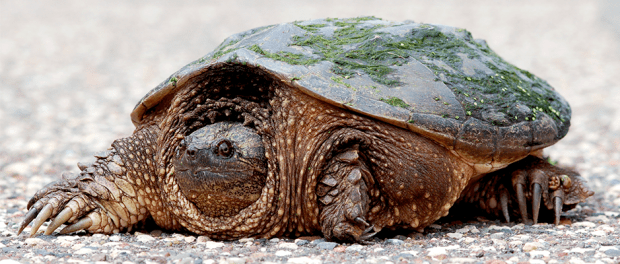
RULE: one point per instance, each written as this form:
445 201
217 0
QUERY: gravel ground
71 72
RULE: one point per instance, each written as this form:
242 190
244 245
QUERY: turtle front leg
108 196
530 187
343 195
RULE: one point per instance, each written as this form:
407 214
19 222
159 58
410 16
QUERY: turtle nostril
191 152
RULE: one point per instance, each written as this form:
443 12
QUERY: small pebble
301 242
317 241
283 253
612 252
354 248
581 250
469 240
530 246
236 260
287 245
36 241
327 245
393 241
202 239
213 244
84 250
434 226
145 238
499 235
455 235
576 261
584 224
435 251
340 249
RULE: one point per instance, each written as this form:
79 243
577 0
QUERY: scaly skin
329 171
110 195
497 194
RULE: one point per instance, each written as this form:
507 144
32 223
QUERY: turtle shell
434 80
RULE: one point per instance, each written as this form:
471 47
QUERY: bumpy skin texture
329 171
297 163
498 193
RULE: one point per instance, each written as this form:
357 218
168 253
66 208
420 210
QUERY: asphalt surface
72 71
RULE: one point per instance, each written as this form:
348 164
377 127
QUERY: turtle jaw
218 194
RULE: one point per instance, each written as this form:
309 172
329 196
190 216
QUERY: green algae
357 48
311 27
395 101
288 57
365 57
339 80
224 47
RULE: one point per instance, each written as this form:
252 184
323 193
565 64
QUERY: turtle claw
360 220
368 233
503 199
531 187
537 196
558 204
60 219
58 202
82 224
522 202
45 213
542 190
27 219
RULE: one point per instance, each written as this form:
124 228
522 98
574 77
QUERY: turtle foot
62 202
344 195
537 184
532 190
86 201
343 217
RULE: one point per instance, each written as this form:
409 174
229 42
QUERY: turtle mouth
219 194
202 176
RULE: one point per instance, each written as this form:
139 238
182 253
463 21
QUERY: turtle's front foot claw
39 217
82 224
58 203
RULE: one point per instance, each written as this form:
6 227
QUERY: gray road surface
71 72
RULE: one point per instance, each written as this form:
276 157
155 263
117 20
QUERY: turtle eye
182 146
224 149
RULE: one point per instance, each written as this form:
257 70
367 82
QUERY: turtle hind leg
530 190
542 187
344 198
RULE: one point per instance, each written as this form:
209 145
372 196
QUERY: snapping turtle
335 126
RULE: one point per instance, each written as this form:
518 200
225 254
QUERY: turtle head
221 168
